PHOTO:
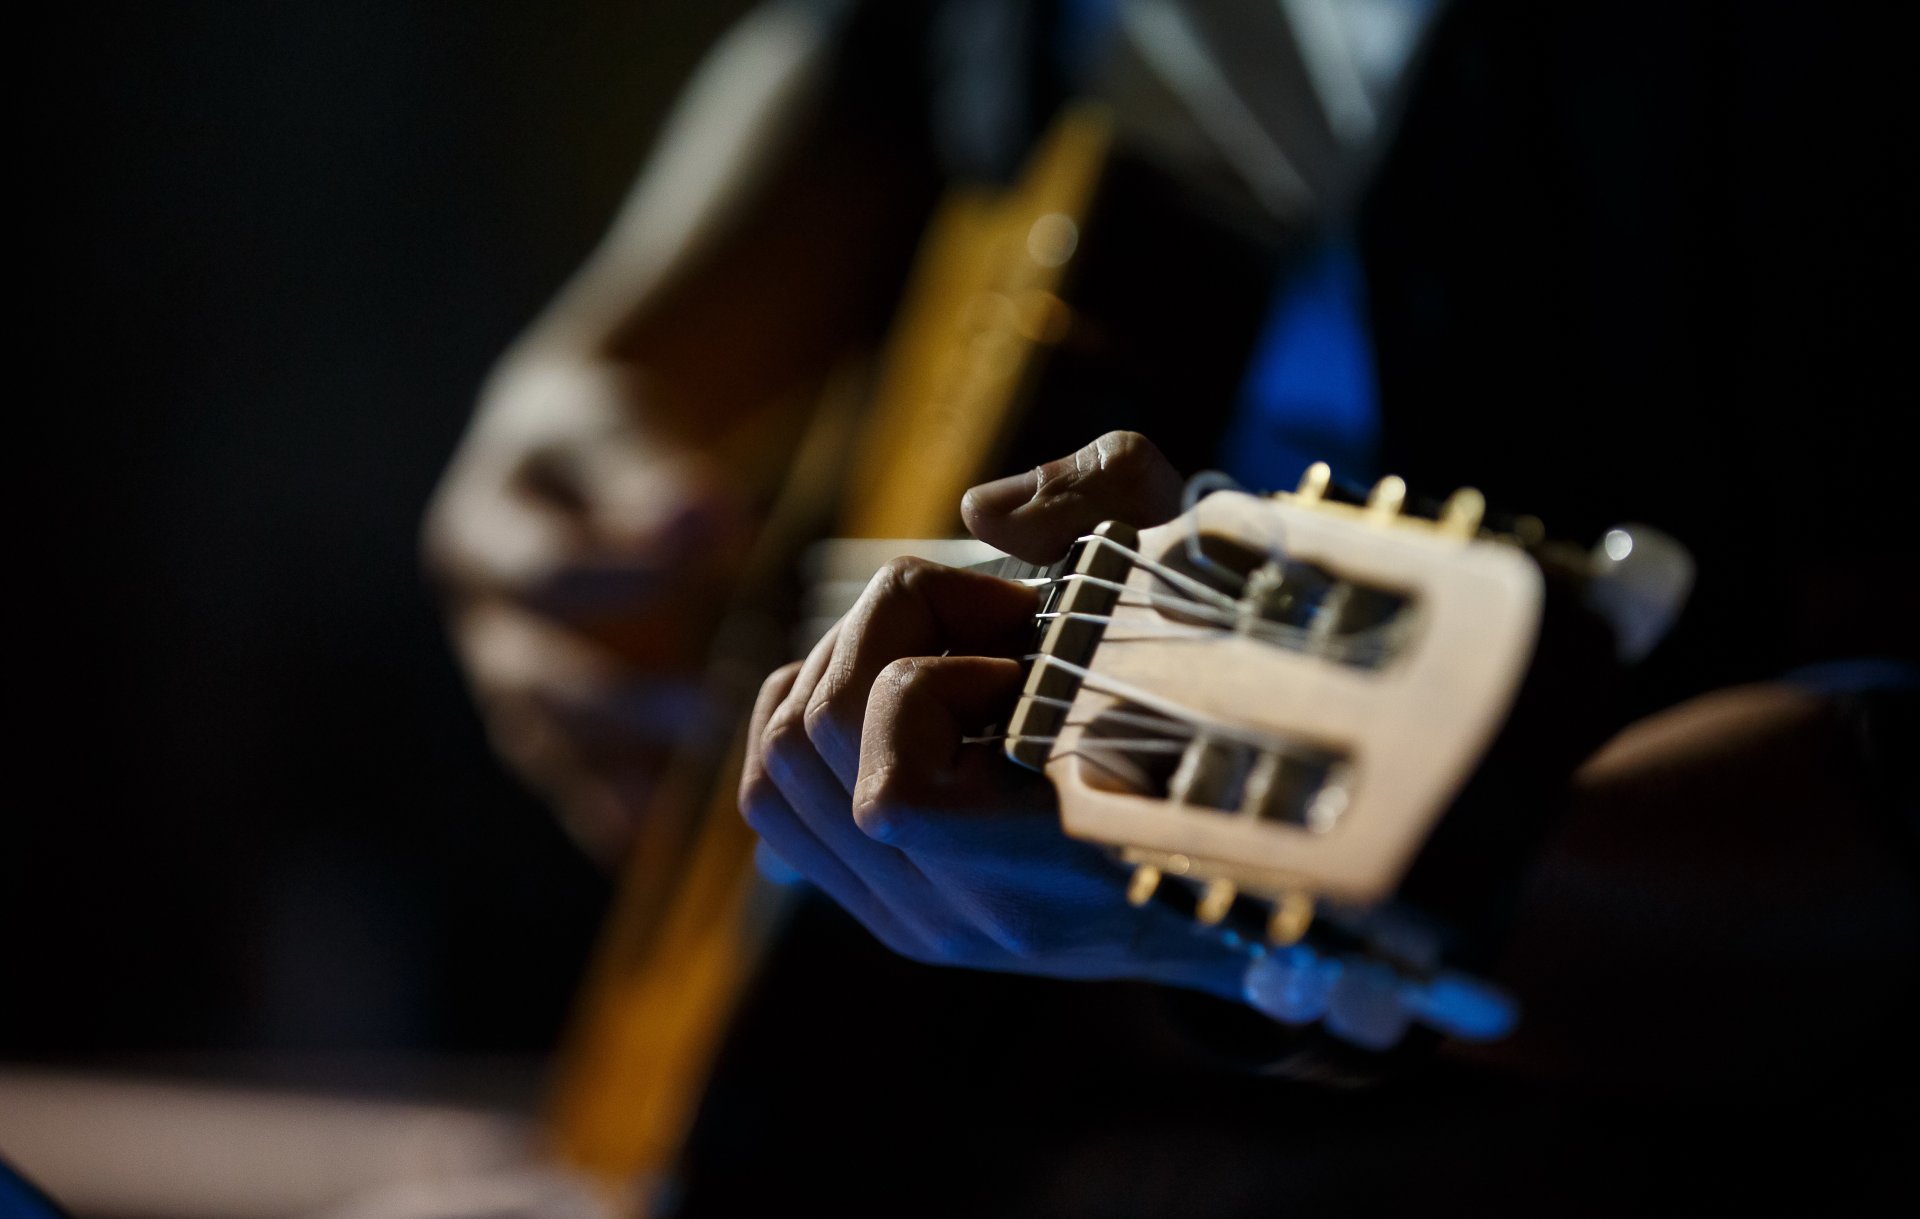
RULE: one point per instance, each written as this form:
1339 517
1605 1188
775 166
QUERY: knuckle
1126 452
453 558
783 675
777 682
876 820
825 724
902 675
1122 454
878 815
900 576
759 803
785 740
1058 477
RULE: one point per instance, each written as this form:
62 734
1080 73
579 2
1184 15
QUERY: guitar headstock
1276 697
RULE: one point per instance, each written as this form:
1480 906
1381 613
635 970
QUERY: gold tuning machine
1462 513
1215 901
1387 498
1145 883
1314 483
1292 915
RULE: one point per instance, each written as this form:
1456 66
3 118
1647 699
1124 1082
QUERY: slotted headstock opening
1135 752
1293 603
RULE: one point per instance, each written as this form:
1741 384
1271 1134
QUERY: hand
593 522
857 774
583 561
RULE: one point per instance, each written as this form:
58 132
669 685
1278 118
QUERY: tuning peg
1639 582
1314 483
1145 882
1388 496
1462 512
1216 901
1292 915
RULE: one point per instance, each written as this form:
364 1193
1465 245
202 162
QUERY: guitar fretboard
838 570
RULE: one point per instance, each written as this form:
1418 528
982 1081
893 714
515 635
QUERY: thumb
1037 515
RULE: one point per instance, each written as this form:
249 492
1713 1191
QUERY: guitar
1013 300
1005 308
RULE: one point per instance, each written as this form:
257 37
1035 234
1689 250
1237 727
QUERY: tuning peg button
1292 915
1216 901
1145 883
1388 496
1314 483
1463 512
1640 581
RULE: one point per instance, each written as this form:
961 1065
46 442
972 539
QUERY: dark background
273 249
270 250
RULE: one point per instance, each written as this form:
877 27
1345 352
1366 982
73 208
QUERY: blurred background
256 837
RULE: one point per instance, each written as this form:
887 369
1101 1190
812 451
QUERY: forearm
625 450
763 243
741 116
1728 900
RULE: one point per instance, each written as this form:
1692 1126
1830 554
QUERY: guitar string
1136 744
1170 708
1360 645
1154 630
1154 724
1157 723
1178 579
1216 607
1155 600
1103 763
1201 601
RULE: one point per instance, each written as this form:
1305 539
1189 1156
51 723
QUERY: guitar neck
692 919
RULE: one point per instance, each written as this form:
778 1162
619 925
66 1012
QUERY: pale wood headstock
1285 714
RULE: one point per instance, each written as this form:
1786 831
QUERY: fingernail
1001 496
